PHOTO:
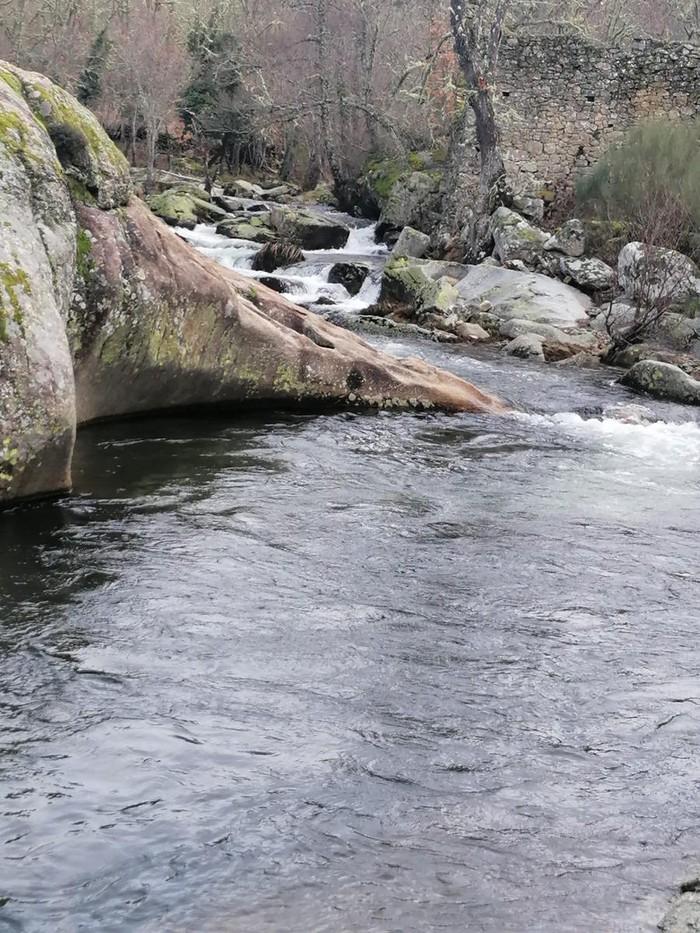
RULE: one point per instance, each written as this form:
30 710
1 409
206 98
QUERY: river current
358 672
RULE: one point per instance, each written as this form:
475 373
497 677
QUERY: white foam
661 443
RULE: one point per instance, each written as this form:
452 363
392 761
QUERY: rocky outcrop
105 312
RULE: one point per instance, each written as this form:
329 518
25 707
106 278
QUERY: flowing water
358 673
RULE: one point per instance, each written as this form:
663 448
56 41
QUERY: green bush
651 182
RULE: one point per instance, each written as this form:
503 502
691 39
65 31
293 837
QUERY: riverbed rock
658 275
411 244
663 381
590 275
106 312
514 238
277 255
569 239
351 275
526 296
309 231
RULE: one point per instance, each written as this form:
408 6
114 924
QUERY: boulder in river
663 381
277 255
308 230
106 312
351 275
684 914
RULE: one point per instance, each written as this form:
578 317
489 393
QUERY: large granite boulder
106 312
524 295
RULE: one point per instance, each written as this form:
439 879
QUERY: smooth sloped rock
351 275
527 296
307 230
514 238
569 239
174 329
590 275
663 381
411 244
655 275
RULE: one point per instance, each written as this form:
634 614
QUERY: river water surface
358 673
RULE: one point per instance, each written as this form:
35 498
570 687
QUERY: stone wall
561 102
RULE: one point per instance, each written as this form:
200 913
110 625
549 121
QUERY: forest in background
309 89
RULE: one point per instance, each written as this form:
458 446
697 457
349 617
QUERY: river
358 672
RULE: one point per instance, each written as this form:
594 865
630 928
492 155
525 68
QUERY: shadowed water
349 673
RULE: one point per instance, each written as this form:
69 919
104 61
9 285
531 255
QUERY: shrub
651 181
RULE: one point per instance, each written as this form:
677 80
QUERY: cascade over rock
105 312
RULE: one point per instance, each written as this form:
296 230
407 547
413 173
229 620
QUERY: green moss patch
13 283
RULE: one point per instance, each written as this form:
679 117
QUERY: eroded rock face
105 312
